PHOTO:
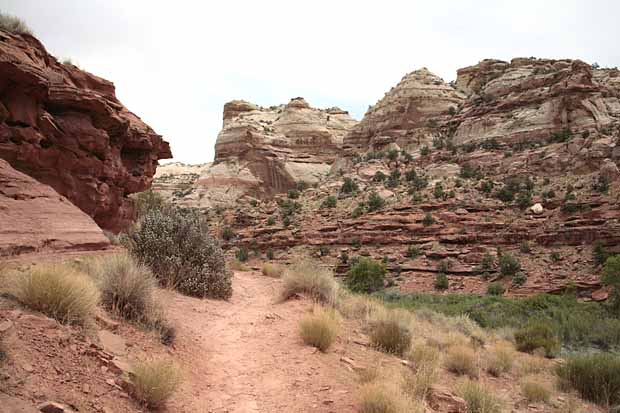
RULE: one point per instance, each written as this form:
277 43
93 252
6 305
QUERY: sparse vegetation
57 290
413 252
319 329
508 265
428 219
308 277
379 397
272 270
148 201
293 193
13 24
611 277
329 202
155 382
441 282
496 288
178 249
375 202
349 186
500 359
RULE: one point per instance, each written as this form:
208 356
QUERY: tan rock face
406 115
34 217
528 99
263 151
65 127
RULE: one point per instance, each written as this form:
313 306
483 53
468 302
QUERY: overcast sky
175 64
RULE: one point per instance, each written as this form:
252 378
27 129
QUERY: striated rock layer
66 128
261 152
35 218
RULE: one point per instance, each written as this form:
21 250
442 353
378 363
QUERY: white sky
175 64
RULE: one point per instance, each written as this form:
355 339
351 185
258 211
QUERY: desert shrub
428 219
155 382
537 335
148 201
595 376
525 248
500 359
308 277
59 291
599 253
319 329
323 250
390 333
519 278
496 288
392 154
488 262
366 276
478 399
611 277
379 176
236 265
555 256
534 390
413 252
508 265
272 270
349 186
560 136
242 254
425 151
418 382
424 357
13 24
271 221
293 193
379 397
270 254
462 361
329 202
375 202
227 233
180 252
394 179
441 282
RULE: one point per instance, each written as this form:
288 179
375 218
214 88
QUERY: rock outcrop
407 116
528 100
66 128
35 218
263 151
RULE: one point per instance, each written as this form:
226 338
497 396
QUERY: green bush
441 282
496 288
519 278
428 219
599 253
13 24
525 248
379 177
349 186
177 247
366 276
148 201
611 277
508 265
293 193
242 254
270 254
227 233
329 202
271 221
535 336
375 202
425 151
413 252
488 262
595 376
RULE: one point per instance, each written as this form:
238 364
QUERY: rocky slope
261 152
66 128
525 163
35 218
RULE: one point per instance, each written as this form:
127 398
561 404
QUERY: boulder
537 209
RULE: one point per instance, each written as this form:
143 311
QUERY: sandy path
245 355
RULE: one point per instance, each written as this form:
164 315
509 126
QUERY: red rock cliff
66 128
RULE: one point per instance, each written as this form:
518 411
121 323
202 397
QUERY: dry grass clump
128 291
380 397
390 332
534 390
500 359
369 374
358 307
418 381
60 291
478 399
13 24
319 329
236 265
308 277
272 270
423 355
156 381
532 364
462 361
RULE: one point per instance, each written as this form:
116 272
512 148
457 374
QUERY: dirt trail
245 355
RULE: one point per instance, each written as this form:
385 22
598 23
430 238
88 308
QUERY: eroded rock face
263 151
407 115
65 127
35 218
528 99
